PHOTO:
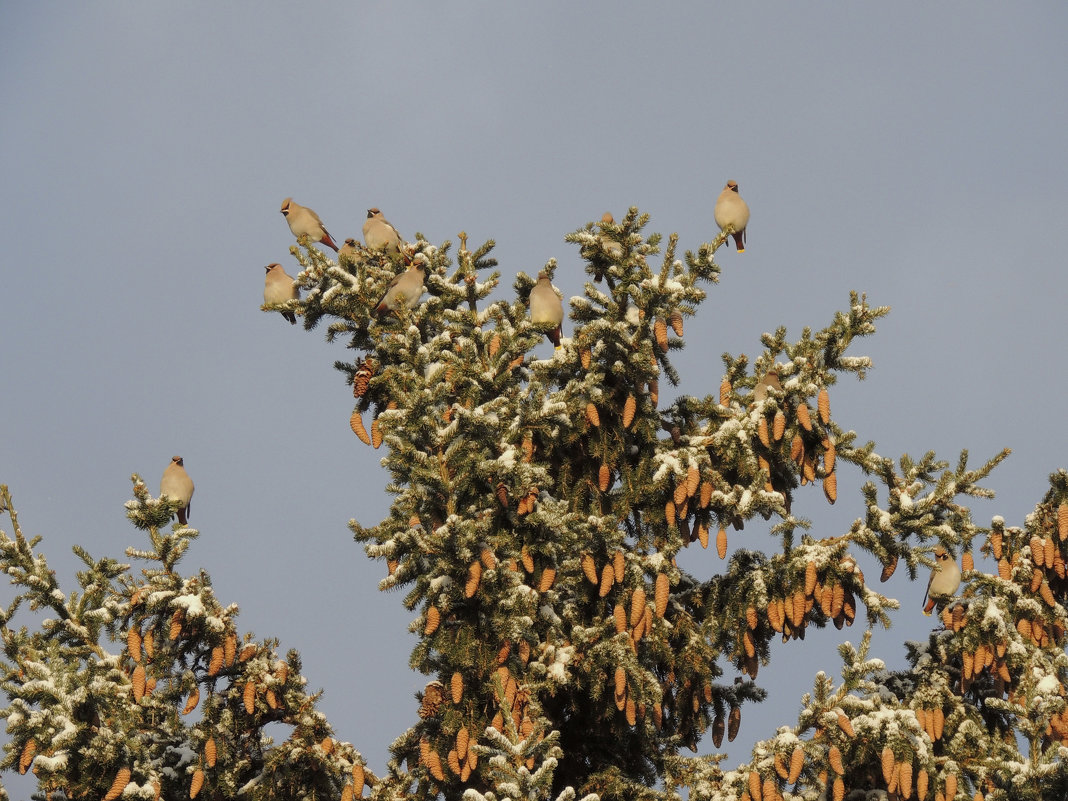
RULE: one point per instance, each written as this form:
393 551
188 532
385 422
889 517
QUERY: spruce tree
539 505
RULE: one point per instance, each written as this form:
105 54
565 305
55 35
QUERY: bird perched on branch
378 234
546 307
732 211
305 222
177 486
944 581
278 287
406 288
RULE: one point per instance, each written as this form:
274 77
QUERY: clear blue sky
914 151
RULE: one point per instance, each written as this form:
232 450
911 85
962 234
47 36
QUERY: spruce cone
474 577
196 783
693 480
592 415
133 643
888 569
845 725
192 701
494 345
921 783
706 494
138 683
721 542
608 578
889 765
548 576
803 416
702 533
604 477
834 757
1062 520
637 606
725 393
762 432
830 487
661 595
433 620
433 695
176 624
362 378
676 322
621 688
216 662
830 455
660 332
951 786
122 778
620 617
754 785
358 779
376 433
28 752
589 568
356 424
433 763
249 697
630 406
823 403
210 752
810 578
734 721
1047 594
778 426
456 686
797 761
229 649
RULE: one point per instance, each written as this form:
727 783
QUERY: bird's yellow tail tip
741 250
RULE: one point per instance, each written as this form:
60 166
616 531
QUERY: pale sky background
913 151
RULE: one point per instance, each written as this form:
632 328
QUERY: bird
546 307
305 222
610 247
278 287
944 581
732 210
407 287
768 382
348 251
378 234
178 486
